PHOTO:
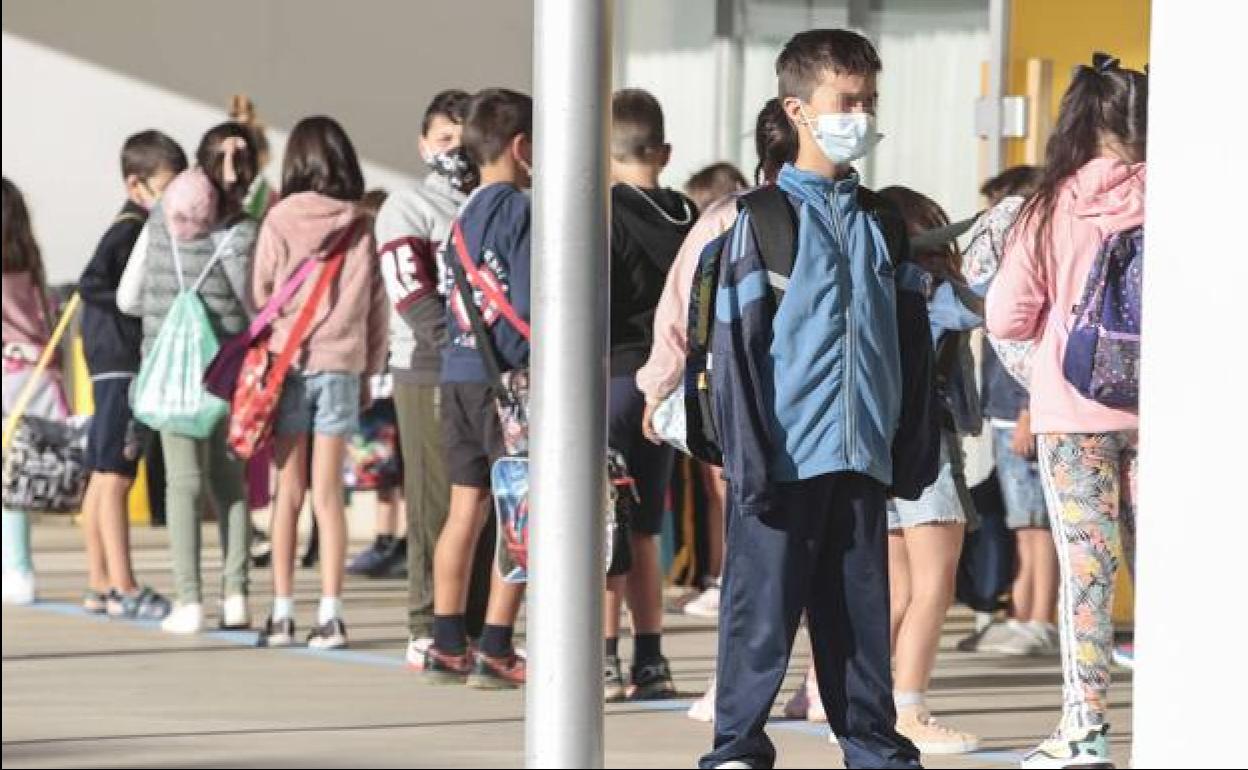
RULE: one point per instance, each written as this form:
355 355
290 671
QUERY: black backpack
916 445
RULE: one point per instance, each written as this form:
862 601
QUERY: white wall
64 123
1193 518
932 50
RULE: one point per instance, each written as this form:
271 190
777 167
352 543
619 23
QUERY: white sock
331 608
907 699
1016 625
1041 627
283 608
982 620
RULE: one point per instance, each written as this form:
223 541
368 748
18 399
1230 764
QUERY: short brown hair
809 55
636 124
714 182
495 117
451 104
1018 180
148 152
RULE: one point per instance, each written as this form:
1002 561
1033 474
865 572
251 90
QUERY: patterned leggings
1089 485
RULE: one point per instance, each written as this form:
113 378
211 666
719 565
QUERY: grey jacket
225 289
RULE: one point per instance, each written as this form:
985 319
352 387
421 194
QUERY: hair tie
229 146
1103 62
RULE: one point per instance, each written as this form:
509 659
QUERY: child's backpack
1102 356
169 392
773 220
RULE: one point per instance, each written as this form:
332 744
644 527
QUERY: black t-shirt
110 338
647 229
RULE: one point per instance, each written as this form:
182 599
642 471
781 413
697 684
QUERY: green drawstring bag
169 393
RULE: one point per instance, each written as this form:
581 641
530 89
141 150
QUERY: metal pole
729 63
998 69
572 89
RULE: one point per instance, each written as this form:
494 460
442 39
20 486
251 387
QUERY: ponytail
1103 100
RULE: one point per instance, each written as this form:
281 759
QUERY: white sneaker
705 604
185 619
703 709
415 656
735 764
930 736
19 587
1048 640
1018 639
235 614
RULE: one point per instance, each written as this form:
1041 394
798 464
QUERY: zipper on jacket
850 331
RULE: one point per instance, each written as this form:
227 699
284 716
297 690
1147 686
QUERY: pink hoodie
349 332
662 372
1103 197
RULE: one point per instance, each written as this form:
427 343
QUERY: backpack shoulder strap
775 229
892 226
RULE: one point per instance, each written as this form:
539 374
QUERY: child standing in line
319 218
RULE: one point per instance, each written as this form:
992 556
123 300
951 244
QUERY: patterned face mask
454 165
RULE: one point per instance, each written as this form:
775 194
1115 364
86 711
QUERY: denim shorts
946 501
1020 484
327 403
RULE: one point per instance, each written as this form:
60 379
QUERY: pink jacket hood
311 223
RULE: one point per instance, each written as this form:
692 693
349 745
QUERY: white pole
998 72
572 90
1193 518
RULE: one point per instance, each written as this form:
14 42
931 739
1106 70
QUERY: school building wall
79 77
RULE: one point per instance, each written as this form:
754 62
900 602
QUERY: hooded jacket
1034 299
647 229
349 332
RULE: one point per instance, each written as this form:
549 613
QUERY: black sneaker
143 604
330 635
277 633
614 687
652 681
371 560
395 564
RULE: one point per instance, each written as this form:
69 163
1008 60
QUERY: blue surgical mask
844 136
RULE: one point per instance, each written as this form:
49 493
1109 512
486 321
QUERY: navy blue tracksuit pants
823 550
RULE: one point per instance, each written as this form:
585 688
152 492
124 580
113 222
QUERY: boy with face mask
811 374
411 228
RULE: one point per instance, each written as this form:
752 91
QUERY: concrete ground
84 692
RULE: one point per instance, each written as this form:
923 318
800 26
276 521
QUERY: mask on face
844 136
454 165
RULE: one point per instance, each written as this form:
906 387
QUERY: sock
907 699
330 608
1041 627
646 648
496 641
16 537
612 647
283 608
1015 625
449 634
982 620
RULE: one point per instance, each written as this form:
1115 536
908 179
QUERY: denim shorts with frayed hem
946 501
325 403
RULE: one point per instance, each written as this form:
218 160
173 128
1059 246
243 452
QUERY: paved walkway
85 692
